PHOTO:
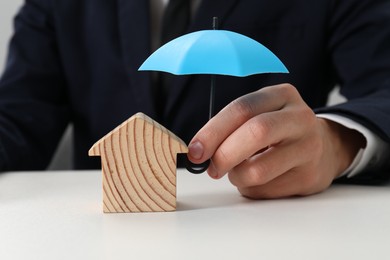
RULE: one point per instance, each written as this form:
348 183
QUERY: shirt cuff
366 157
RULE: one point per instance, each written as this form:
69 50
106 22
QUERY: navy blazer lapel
133 21
203 20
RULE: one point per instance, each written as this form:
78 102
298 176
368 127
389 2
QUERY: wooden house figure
139 166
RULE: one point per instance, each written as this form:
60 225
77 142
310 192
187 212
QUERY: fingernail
195 150
213 175
212 171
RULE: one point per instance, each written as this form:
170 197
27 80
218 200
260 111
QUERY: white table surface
58 215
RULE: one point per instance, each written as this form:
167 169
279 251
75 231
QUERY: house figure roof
139 166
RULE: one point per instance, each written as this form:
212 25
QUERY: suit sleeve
33 97
359 44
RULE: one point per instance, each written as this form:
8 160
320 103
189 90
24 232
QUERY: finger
267 99
284 186
261 131
289 184
267 166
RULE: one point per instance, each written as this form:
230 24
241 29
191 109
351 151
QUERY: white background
8 9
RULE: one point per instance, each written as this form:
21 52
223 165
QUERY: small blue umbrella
214 52
217 52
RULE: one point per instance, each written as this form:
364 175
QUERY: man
76 61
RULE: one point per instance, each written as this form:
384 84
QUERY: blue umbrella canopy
219 52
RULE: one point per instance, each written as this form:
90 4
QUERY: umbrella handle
196 168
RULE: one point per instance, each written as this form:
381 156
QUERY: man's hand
272 145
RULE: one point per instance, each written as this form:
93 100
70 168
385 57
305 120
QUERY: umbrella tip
215 23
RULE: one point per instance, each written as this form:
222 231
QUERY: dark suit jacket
77 60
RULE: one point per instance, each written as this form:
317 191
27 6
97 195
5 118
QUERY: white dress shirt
371 155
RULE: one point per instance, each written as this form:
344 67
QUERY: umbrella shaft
212 95
212 89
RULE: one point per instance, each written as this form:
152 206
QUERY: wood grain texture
139 166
